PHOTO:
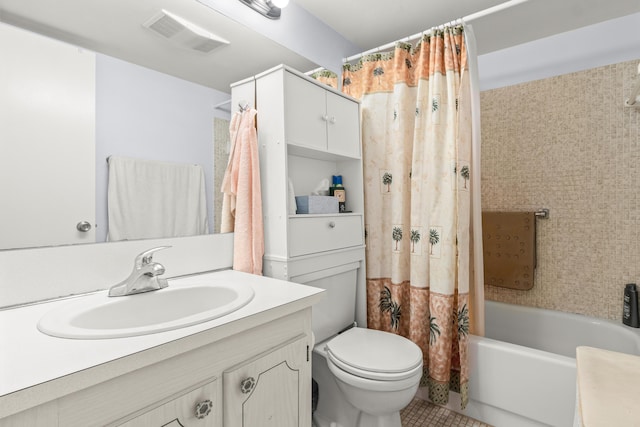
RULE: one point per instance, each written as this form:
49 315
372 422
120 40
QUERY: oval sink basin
178 306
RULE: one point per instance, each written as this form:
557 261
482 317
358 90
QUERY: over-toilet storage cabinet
307 131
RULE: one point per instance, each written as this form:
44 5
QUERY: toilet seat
372 385
378 376
375 355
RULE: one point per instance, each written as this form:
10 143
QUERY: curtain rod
468 18
315 70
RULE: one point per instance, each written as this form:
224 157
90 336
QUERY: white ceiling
114 27
371 23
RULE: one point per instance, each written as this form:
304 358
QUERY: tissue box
316 204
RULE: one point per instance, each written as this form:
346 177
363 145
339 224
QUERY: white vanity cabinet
307 132
201 385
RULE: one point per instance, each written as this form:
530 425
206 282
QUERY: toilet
365 377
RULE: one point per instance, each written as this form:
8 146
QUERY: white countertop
608 387
38 368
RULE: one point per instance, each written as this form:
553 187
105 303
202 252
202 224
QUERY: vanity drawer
324 233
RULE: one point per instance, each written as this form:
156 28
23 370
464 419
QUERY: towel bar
542 214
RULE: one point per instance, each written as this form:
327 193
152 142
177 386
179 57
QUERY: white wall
298 30
150 115
606 43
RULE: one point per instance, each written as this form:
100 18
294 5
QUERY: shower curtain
419 176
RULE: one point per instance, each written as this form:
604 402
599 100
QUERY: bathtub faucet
144 277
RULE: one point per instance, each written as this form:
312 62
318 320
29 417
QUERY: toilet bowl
376 373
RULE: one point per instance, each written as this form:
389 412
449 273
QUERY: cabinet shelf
314 153
306 173
329 215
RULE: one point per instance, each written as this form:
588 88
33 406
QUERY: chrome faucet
144 277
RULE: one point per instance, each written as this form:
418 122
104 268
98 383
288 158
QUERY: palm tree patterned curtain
327 77
416 130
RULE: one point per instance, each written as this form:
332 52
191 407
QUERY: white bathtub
523 373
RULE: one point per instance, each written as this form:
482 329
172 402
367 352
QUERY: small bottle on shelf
337 190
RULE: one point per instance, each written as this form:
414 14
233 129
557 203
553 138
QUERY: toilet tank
337 310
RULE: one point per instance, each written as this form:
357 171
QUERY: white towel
150 199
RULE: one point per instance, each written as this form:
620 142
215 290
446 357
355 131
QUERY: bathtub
523 373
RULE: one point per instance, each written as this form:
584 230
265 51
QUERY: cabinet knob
332 224
325 117
332 120
247 385
83 226
203 409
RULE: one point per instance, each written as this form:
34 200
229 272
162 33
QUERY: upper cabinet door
305 113
343 126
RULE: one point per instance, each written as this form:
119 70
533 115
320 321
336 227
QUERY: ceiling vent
183 32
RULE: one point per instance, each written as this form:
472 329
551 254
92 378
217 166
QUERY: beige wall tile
567 143
220 159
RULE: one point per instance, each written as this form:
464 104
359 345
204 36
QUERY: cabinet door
195 408
47 129
343 126
271 390
305 113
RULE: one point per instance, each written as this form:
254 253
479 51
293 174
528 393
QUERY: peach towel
242 201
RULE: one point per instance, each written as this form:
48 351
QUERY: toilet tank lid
375 351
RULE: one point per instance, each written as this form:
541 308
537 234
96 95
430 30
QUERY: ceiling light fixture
269 8
280 3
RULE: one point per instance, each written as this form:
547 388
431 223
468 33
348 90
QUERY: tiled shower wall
568 144
220 160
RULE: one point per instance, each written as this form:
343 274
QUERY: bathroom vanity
247 368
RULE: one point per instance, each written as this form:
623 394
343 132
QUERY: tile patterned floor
420 413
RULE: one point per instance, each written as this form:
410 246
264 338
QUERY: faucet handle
146 257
